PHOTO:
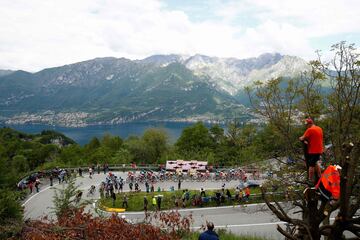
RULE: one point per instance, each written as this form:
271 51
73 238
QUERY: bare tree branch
286 234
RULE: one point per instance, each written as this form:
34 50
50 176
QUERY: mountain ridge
113 90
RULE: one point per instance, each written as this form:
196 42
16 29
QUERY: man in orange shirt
314 138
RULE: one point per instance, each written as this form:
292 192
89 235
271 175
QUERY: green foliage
112 143
64 199
71 154
120 157
156 141
20 162
194 139
11 214
51 137
10 208
138 150
93 144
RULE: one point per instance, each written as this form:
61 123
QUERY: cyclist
78 196
91 190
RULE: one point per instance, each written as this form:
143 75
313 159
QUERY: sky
38 34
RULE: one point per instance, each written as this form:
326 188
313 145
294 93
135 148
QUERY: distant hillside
5 72
160 87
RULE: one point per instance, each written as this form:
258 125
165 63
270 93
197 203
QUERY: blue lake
84 134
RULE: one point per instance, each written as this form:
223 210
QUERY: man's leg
311 173
318 172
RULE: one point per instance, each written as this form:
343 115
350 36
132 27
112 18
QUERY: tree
194 140
280 106
217 134
93 144
344 114
10 213
113 143
275 101
156 141
65 204
138 150
20 163
71 154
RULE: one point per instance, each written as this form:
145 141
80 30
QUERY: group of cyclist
163 175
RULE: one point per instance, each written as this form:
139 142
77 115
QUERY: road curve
252 219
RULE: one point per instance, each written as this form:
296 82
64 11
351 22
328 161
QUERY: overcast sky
36 34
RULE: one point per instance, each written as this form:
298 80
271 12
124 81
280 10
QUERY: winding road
252 219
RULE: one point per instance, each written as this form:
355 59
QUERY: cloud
37 34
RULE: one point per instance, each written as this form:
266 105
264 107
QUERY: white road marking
243 225
248 225
37 194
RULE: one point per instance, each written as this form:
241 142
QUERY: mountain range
161 87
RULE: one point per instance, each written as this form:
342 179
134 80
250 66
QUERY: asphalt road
253 219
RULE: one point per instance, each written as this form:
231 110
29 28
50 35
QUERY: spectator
176 202
158 201
217 198
104 168
202 193
130 186
152 189
228 194
111 188
237 191
209 234
313 144
179 184
80 172
136 187
90 172
154 202
98 168
147 187
247 194
31 187
101 190
241 195
187 195
113 196
37 183
51 179
121 185
125 202
145 204
59 177
183 199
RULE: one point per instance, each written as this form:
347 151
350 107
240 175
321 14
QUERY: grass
136 199
223 235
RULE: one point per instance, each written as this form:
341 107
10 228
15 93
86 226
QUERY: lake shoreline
82 135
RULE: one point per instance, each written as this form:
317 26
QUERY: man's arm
306 135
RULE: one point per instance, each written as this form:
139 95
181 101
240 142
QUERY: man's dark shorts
311 159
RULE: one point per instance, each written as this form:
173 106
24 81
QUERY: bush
10 208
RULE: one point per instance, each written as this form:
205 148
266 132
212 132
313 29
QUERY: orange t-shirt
314 135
